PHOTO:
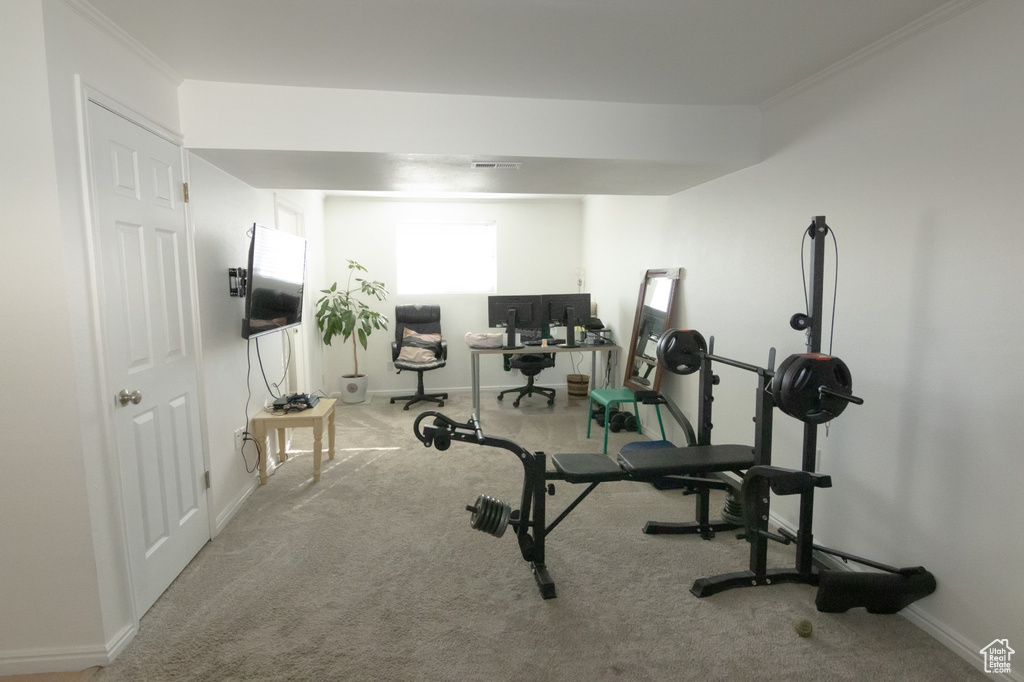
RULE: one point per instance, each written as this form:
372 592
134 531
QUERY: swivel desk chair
530 364
418 347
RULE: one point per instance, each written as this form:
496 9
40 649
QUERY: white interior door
145 295
289 219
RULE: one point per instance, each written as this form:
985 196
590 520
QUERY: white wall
223 210
68 550
539 249
66 600
917 161
623 239
271 117
78 47
46 552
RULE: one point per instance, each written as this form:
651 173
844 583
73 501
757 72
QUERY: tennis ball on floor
803 628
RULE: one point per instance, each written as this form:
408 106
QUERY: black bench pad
587 468
696 459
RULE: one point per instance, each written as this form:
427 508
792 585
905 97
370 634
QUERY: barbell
812 387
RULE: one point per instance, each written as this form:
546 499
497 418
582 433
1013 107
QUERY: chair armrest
394 351
443 355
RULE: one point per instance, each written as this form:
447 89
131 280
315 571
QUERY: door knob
125 397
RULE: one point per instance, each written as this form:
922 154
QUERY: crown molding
933 18
84 9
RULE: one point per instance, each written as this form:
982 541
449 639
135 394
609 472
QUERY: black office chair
531 364
418 347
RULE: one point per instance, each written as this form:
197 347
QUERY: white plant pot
353 389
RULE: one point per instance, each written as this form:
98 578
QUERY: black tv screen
277 272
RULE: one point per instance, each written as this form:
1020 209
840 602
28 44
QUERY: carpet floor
374 573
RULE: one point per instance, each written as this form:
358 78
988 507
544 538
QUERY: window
447 258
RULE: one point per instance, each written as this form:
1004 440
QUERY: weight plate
797 386
680 350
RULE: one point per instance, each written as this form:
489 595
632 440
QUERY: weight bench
695 466
652 464
696 469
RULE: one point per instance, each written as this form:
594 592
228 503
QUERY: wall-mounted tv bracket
237 280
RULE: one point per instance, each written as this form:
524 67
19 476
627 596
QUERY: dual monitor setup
539 312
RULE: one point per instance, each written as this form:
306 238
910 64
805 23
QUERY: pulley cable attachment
800 321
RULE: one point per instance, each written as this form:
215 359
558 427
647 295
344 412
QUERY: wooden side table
315 417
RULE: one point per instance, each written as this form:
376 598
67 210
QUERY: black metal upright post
532 547
817 232
758 572
707 380
815 311
762 457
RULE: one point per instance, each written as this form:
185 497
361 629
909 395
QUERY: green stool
614 396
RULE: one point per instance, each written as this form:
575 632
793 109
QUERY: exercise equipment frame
702 467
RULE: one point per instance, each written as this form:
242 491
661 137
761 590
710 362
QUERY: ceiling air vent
513 165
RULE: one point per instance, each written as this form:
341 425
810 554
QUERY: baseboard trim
954 641
65 660
52 660
225 517
121 640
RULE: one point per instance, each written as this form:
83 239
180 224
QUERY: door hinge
184 191
206 477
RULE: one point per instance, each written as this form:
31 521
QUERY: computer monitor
568 310
511 312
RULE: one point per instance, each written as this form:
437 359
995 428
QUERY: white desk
593 349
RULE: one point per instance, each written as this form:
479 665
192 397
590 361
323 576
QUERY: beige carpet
375 574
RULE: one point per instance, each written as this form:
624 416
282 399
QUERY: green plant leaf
340 313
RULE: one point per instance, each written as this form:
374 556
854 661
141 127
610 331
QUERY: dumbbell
622 421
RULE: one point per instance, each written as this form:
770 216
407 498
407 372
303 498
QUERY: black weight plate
797 386
680 350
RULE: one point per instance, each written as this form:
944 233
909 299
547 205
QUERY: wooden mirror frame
630 381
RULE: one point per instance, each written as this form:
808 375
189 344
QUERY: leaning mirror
654 308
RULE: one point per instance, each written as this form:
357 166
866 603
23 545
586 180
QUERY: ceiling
666 52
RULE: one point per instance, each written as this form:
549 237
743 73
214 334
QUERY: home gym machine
811 387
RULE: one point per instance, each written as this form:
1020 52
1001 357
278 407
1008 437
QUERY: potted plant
341 313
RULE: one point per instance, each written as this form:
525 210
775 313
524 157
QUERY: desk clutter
296 402
483 340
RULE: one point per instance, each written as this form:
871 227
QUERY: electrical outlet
239 438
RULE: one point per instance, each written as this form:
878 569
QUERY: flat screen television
277 272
